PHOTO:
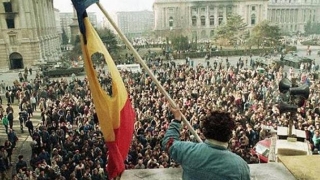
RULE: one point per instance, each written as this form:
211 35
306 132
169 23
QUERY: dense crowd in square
69 144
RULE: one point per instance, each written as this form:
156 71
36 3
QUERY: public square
241 102
23 144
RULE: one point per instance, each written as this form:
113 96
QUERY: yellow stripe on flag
107 108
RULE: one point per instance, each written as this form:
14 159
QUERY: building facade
293 15
28 33
57 19
68 19
135 23
200 18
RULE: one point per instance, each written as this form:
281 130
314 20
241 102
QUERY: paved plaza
23 145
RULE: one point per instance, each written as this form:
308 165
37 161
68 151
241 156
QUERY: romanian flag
115 112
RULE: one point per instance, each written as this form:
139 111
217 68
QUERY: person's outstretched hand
176 112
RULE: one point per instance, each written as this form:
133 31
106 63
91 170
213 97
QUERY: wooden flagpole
146 68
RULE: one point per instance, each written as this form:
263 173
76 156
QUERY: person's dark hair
218 125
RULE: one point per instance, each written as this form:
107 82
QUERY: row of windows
211 9
203 20
211 20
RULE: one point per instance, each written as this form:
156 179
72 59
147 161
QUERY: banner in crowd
115 112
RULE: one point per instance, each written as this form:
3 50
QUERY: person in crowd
140 165
33 102
5 123
3 168
29 125
10 119
9 149
12 137
211 159
21 164
316 140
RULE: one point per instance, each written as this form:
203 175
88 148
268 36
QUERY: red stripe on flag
119 149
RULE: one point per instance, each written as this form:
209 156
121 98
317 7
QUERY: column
208 17
42 27
22 18
279 16
189 16
259 14
32 20
225 14
287 20
216 21
273 19
164 21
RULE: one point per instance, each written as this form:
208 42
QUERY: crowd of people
70 145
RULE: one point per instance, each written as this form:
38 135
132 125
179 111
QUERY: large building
293 15
135 23
200 18
57 19
28 33
69 18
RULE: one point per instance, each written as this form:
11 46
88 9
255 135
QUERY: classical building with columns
293 15
28 33
200 18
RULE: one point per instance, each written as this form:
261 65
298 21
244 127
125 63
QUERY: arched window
253 19
211 20
194 21
203 20
170 21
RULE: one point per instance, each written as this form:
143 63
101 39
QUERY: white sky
111 6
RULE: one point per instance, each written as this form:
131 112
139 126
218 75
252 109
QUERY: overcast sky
111 6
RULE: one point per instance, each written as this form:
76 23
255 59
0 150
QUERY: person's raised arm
173 132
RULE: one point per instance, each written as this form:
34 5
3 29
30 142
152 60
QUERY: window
171 21
194 21
203 34
10 23
203 10
253 19
211 10
229 10
194 11
211 20
220 19
7 6
170 10
253 8
203 20
13 39
211 33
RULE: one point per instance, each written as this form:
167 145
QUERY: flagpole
144 65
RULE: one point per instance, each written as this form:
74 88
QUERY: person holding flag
115 112
211 159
